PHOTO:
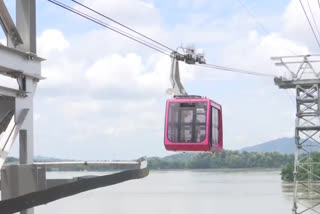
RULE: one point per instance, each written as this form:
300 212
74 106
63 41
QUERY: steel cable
314 21
305 13
218 67
152 46
262 27
99 22
122 25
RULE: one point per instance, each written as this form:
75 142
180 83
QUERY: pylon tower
301 74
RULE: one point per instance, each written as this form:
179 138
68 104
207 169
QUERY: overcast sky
104 96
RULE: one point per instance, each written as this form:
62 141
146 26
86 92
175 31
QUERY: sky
104 95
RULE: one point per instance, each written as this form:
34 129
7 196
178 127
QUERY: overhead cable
143 42
314 21
122 25
305 13
262 27
99 22
253 17
218 67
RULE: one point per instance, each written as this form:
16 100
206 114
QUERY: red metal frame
206 144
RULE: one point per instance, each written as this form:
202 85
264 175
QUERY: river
182 192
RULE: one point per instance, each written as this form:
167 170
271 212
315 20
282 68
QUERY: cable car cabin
193 124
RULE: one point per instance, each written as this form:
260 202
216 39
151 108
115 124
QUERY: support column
26 131
24 139
26 25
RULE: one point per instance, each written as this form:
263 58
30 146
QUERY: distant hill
281 145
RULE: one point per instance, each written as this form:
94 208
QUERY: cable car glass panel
215 126
187 122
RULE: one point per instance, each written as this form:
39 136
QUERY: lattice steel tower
303 76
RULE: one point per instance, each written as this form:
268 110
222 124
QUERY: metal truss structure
304 76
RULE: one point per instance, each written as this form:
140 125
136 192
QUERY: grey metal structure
18 60
303 75
189 57
22 193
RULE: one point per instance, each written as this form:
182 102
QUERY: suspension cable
99 22
253 16
143 42
218 67
260 24
314 21
305 13
122 25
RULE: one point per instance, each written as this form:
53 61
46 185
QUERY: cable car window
173 122
187 116
215 126
187 122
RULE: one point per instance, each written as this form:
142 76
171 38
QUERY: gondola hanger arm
189 57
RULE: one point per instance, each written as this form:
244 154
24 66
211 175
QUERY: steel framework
303 76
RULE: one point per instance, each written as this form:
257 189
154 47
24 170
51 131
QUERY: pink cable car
193 123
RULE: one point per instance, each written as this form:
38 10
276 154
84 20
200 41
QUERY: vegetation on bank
224 159
287 170
11 160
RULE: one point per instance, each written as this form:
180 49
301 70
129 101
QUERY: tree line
224 159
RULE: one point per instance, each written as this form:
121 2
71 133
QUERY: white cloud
77 109
115 71
254 52
128 74
110 131
199 4
51 41
295 24
61 71
131 12
86 93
